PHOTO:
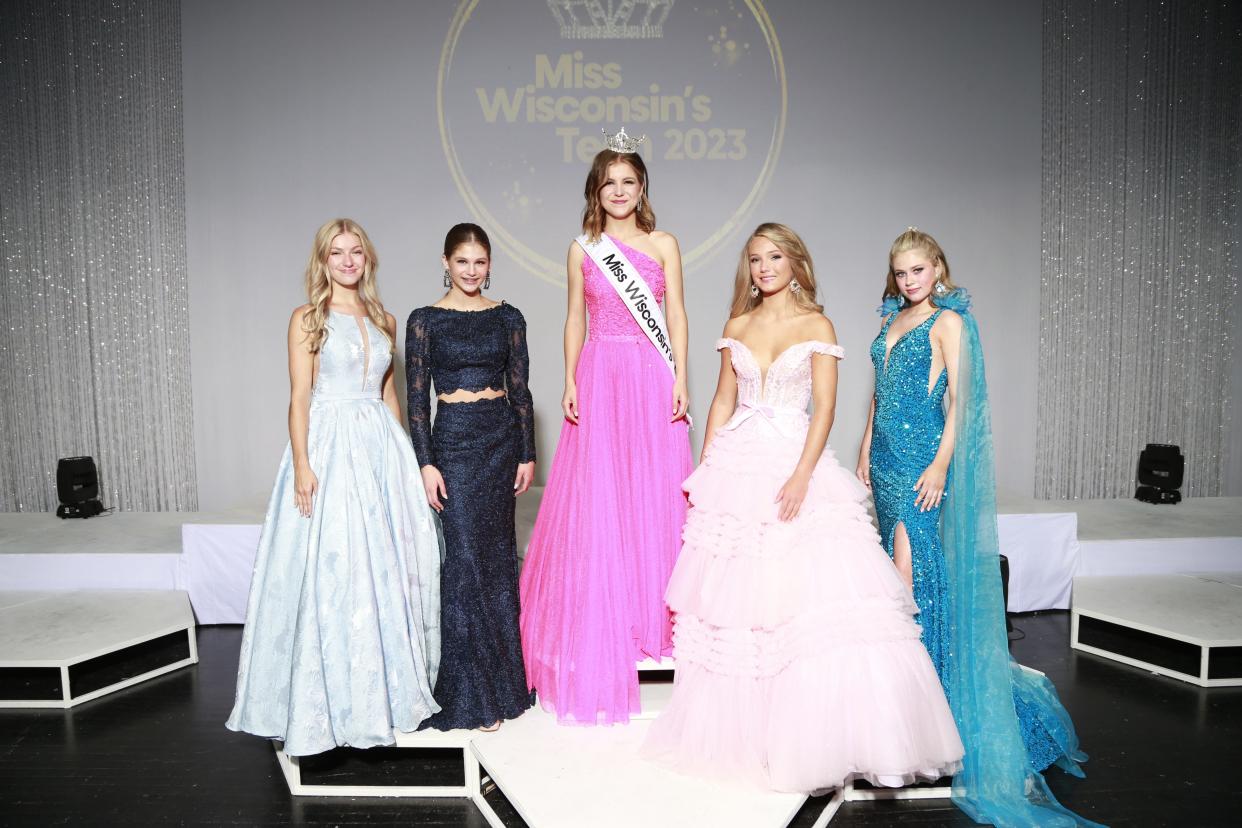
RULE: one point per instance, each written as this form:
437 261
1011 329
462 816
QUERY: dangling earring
794 287
447 282
901 301
940 289
754 291
487 283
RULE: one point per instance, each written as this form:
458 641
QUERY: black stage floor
1162 753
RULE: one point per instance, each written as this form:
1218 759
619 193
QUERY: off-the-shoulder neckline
763 372
782 353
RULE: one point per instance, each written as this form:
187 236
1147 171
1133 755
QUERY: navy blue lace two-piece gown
477 447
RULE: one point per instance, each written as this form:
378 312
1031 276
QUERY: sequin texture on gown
342 637
608 528
908 425
907 428
798 660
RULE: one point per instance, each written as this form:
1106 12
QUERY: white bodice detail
353 359
787 383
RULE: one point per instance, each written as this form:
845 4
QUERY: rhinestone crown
622 142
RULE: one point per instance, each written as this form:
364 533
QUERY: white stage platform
211 555
567 777
555 775
457 740
59 649
1128 537
1187 626
135 550
564 777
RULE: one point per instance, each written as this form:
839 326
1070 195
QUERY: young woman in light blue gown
342 637
927 457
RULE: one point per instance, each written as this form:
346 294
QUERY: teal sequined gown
1010 718
905 436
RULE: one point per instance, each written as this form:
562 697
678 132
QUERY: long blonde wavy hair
319 284
799 262
593 215
915 239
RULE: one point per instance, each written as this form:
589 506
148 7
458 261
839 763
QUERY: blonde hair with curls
593 215
915 239
319 284
799 262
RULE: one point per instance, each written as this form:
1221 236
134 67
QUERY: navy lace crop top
468 350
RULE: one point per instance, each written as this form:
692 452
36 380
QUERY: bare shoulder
734 328
299 313
664 240
390 322
949 322
575 261
818 327
298 333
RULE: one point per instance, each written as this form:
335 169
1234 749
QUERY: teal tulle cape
998 783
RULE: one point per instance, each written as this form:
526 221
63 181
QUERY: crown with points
622 142
596 20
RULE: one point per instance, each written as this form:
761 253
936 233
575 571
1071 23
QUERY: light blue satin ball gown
342 636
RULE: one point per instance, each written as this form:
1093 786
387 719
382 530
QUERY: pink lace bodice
788 380
609 316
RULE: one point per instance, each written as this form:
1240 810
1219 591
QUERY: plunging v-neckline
365 334
763 372
888 350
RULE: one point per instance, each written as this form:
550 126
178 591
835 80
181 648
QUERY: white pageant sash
634 292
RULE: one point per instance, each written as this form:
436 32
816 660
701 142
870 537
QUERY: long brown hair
593 215
799 262
319 283
915 239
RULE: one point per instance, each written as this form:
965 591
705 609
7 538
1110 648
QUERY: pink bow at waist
772 413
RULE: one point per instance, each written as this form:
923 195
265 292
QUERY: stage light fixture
1160 471
77 486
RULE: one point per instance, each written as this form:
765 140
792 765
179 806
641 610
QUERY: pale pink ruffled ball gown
799 663
609 525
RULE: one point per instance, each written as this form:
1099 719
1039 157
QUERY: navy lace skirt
482 678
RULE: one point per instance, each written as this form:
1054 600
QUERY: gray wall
899 113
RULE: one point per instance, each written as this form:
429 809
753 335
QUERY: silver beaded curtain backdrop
1142 105
94 353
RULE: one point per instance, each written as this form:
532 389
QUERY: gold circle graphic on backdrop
552 270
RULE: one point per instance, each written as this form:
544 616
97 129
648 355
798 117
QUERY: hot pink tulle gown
799 663
609 525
